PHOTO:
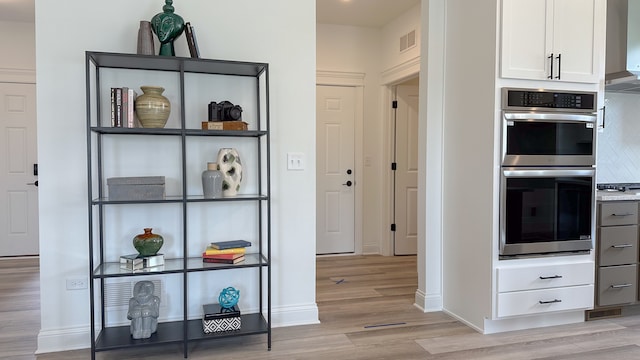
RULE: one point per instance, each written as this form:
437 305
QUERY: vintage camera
224 111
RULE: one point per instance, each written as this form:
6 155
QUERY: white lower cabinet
538 289
545 300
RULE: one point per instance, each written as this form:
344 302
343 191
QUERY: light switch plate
295 161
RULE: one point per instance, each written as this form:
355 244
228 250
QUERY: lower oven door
546 210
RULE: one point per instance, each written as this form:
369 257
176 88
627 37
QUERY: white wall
18 61
265 35
357 50
469 162
391 33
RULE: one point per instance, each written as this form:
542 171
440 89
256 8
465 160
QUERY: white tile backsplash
618 152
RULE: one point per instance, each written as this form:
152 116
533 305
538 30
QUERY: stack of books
226 252
123 107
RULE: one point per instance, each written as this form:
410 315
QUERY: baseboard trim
75 338
534 321
428 303
56 340
295 315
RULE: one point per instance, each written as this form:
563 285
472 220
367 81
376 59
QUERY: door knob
33 183
348 183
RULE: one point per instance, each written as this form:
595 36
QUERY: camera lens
235 112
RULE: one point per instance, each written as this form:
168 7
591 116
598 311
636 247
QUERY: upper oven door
548 139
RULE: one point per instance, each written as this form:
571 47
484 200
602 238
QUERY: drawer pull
625 214
621 246
550 277
550 301
620 286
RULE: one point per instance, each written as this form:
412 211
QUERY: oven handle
551 117
547 172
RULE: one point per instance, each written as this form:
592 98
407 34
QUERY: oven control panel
533 99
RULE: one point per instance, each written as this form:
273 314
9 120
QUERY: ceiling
17 10
368 13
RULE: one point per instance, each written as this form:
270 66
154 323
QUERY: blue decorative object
229 297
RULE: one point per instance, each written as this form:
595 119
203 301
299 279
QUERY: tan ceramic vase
152 108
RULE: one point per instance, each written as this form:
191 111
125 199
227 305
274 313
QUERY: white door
406 174
18 190
335 178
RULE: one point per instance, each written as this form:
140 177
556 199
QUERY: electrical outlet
76 284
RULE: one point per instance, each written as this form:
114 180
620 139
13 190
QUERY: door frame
355 80
390 79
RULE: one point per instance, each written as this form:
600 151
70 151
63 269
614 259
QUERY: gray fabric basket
136 188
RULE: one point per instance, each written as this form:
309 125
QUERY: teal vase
148 244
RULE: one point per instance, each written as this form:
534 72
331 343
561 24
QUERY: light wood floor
366 312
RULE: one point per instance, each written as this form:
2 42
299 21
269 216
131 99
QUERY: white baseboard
66 339
534 321
63 339
294 315
428 303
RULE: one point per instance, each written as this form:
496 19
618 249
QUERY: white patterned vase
231 167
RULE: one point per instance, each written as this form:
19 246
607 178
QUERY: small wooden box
224 125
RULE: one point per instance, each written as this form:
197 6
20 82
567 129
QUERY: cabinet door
576 35
526 39
572 30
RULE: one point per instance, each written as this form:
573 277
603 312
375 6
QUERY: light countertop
603 195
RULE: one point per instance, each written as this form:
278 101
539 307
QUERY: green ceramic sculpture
167 26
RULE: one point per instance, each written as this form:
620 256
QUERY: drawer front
545 300
618 213
617 285
547 276
618 245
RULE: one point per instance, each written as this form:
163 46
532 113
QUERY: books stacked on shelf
226 252
137 262
215 318
122 107
224 125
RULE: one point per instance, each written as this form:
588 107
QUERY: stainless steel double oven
547 189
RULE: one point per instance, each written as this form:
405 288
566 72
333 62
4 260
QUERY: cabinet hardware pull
625 214
550 301
620 286
550 277
622 246
550 57
559 57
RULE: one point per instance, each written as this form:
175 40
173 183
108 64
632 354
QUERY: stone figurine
167 26
144 309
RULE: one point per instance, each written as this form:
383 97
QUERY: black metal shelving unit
104 338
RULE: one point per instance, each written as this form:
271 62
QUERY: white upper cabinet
555 40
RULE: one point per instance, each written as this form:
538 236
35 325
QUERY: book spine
125 107
230 244
195 42
113 107
188 31
129 110
211 251
219 261
118 112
